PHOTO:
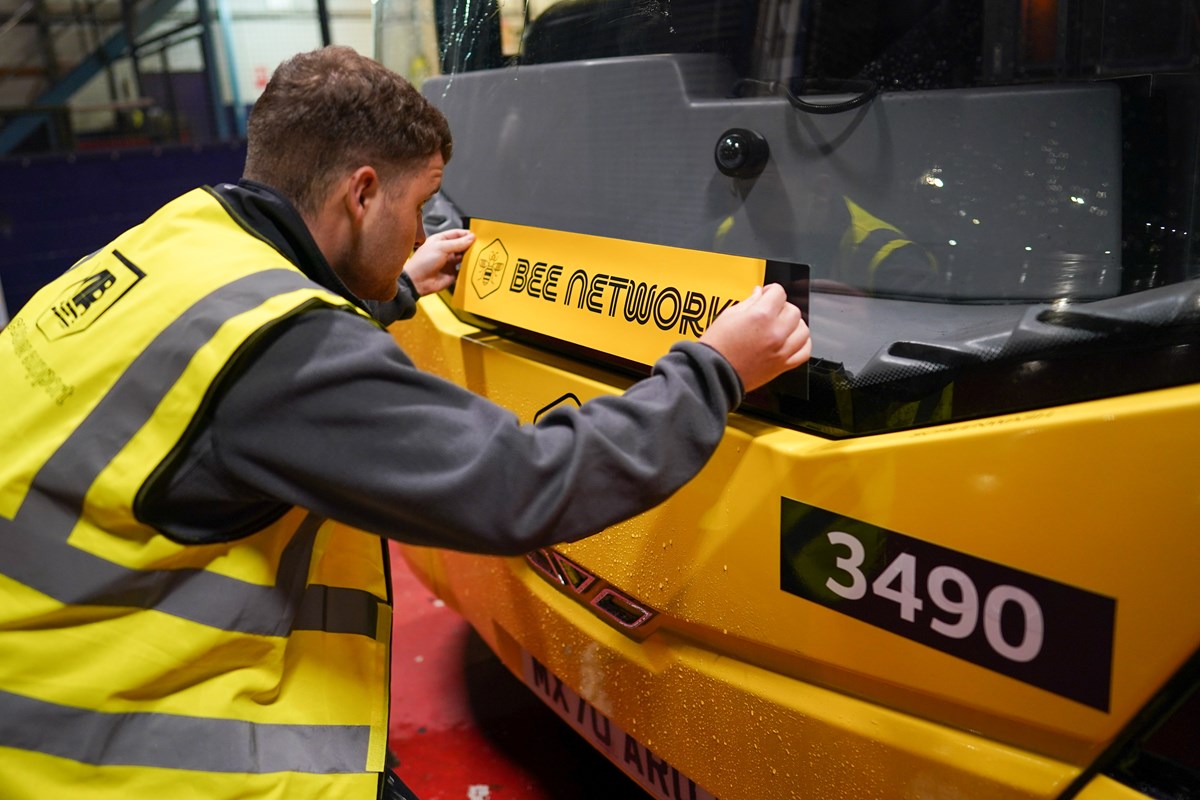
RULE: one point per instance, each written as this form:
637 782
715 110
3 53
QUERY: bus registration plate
656 775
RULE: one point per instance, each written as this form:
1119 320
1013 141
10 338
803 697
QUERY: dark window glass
999 212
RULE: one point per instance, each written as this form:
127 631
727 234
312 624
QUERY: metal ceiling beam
23 126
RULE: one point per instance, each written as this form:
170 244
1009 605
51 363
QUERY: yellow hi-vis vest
877 255
132 666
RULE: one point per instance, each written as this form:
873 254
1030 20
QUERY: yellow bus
950 558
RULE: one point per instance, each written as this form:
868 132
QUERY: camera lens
731 151
741 153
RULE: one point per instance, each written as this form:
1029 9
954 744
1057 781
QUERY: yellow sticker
105 279
630 299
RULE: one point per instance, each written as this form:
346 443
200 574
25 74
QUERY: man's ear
363 189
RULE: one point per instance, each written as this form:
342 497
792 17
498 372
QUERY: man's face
392 229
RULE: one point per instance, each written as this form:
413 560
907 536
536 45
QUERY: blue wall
56 209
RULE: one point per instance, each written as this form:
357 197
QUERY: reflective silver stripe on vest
177 742
33 546
75 577
338 610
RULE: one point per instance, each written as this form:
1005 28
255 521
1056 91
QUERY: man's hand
434 265
761 337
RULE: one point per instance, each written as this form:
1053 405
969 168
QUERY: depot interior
109 108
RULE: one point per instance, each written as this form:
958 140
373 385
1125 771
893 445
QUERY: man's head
357 150
330 111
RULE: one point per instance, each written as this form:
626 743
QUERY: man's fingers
457 241
761 337
799 346
772 298
783 317
750 300
801 356
452 233
783 330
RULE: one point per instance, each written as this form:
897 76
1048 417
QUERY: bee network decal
630 299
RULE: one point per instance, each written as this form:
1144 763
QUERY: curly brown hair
330 111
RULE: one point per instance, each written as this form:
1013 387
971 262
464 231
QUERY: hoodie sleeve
334 417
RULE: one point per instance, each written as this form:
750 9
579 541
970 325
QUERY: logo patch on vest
108 278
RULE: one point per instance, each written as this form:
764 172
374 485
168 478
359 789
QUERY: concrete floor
465 729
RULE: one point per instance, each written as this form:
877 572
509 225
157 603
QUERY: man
198 400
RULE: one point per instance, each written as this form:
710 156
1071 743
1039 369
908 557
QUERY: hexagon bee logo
489 268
